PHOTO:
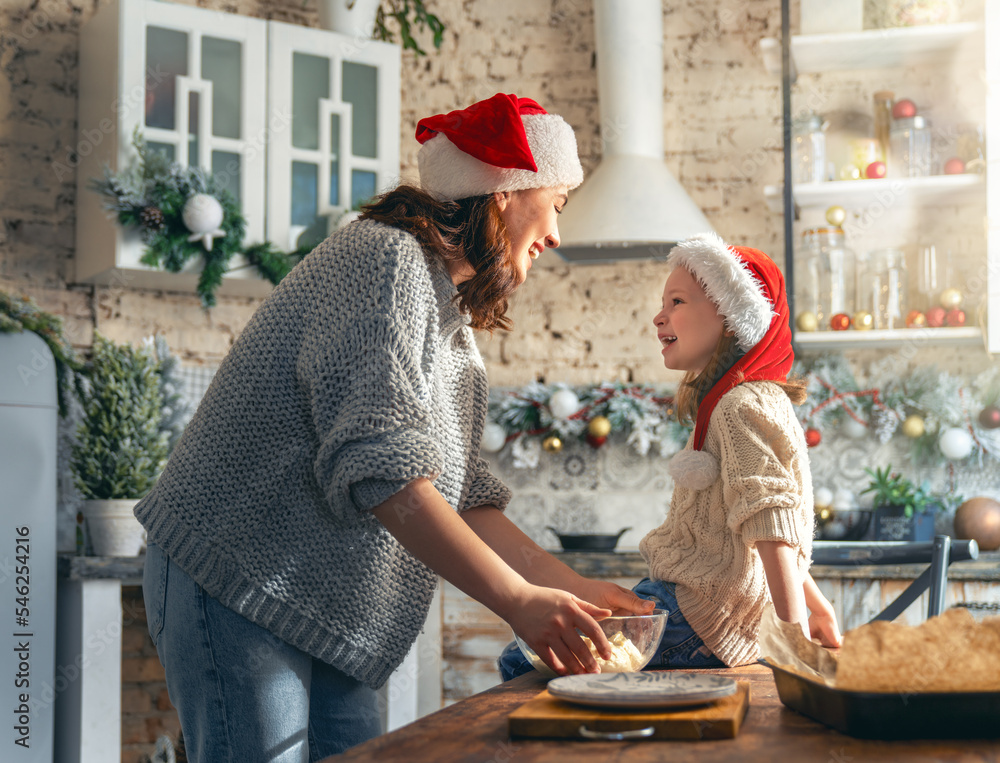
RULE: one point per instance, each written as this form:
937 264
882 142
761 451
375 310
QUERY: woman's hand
548 619
621 601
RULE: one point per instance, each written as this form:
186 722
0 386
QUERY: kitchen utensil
644 631
548 717
641 690
895 715
589 541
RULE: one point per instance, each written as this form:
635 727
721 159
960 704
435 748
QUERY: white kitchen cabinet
906 49
245 99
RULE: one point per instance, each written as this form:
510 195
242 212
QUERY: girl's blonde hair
694 387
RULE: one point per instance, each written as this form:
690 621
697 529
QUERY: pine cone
151 218
884 423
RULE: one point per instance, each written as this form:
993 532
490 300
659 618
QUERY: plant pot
892 524
351 17
113 528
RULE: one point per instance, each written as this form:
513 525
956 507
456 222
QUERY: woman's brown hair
469 229
694 387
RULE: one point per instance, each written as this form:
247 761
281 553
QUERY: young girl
739 530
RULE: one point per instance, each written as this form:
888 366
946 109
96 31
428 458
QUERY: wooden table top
474 730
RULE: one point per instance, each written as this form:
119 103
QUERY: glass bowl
642 631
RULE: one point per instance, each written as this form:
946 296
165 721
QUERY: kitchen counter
475 730
630 564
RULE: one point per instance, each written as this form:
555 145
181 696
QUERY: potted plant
120 447
365 19
903 510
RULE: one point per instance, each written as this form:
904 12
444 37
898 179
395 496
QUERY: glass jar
910 151
828 273
808 149
889 288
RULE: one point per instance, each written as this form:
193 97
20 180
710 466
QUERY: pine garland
643 414
19 314
149 196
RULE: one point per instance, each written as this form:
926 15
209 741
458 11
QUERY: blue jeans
680 646
244 695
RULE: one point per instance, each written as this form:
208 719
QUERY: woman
332 470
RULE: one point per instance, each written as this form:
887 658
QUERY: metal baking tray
870 715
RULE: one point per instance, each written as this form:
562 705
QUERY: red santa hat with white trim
504 143
748 290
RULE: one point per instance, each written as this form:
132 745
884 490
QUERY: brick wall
146 709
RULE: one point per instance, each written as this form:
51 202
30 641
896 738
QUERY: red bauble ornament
595 442
875 170
840 322
955 317
915 320
989 417
813 437
904 108
954 166
935 316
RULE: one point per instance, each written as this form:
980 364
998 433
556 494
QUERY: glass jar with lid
910 149
809 149
827 271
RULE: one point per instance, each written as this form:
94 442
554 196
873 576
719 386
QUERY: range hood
631 206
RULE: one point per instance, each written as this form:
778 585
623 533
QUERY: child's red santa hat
749 292
504 143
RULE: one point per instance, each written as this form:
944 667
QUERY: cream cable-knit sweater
764 492
355 377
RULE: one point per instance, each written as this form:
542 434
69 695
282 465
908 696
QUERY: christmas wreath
181 213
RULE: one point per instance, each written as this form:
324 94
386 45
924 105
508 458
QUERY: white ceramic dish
643 689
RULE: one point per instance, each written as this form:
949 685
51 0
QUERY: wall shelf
887 338
856 194
869 49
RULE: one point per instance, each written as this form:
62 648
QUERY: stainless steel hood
631 206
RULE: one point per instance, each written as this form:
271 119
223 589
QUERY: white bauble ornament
203 217
955 444
564 403
835 529
843 500
822 498
347 218
854 429
494 437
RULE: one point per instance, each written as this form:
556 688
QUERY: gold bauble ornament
599 426
836 215
806 321
824 514
951 299
913 426
863 321
552 444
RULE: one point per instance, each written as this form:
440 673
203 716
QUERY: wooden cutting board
546 716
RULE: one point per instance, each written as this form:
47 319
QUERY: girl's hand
823 628
548 619
621 601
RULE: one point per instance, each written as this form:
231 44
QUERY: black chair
940 552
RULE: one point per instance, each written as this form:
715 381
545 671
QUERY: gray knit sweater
355 377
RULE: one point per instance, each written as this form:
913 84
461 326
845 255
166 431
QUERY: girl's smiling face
688 325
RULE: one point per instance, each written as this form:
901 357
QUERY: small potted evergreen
120 445
903 510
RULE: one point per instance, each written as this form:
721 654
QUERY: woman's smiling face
530 218
688 325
